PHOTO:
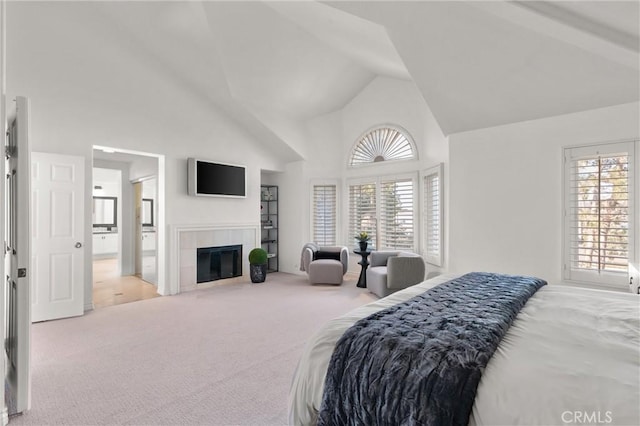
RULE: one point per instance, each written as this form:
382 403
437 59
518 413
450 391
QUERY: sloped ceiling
271 66
483 64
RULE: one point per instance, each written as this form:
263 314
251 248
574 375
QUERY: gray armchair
390 271
324 265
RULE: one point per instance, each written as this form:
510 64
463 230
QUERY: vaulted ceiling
270 66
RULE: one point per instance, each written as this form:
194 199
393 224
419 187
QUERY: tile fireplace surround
189 238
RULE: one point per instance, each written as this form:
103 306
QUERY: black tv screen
216 179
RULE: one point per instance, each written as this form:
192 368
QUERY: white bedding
572 356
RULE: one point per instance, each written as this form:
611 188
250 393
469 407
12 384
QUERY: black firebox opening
216 263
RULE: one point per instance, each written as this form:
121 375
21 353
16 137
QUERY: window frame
617 280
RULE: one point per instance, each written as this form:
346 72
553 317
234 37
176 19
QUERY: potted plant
363 240
258 265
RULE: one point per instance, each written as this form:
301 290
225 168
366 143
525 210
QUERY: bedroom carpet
220 356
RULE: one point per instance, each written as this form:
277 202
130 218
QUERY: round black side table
362 281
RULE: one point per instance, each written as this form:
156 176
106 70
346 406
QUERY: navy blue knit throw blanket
420 362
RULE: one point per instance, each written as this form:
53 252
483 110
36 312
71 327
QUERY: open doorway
127 211
110 285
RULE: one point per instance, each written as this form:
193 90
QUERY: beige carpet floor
220 356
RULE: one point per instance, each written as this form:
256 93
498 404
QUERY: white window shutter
363 211
385 209
384 143
433 215
599 213
324 214
396 214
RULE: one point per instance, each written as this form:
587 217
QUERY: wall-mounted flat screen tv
216 179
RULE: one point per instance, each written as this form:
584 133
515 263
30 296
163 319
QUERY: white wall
324 163
103 94
143 167
388 100
150 191
109 181
149 188
331 139
291 217
505 185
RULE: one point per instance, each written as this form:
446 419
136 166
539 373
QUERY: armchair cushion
325 271
322 254
342 254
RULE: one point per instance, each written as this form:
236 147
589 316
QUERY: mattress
571 356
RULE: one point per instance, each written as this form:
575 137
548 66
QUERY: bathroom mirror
147 212
105 211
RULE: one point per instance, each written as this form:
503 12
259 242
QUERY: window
324 215
383 143
384 208
396 214
599 213
363 211
432 215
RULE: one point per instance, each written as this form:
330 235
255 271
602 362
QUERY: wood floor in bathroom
111 289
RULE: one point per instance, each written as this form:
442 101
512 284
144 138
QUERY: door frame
162 284
20 376
4 419
138 227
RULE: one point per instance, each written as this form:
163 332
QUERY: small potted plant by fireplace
258 265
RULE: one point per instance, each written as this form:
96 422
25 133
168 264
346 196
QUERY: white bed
572 356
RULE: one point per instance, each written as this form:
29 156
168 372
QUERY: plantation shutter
396 214
386 143
433 215
362 211
324 215
599 225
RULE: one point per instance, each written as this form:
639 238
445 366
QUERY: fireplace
185 240
216 263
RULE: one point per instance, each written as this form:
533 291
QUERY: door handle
78 244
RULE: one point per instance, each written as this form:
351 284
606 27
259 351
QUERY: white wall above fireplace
186 239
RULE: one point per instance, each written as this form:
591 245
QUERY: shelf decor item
363 240
258 265
267 195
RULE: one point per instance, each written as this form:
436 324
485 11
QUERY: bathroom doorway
125 262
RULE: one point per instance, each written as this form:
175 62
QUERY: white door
57 188
18 340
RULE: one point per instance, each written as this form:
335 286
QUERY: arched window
383 143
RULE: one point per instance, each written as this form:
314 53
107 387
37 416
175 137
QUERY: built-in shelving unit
269 224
